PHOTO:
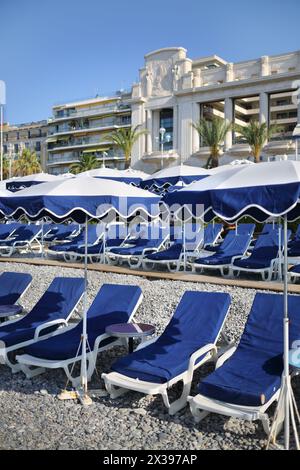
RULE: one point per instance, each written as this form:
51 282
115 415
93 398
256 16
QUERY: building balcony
95 111
78 143
86 129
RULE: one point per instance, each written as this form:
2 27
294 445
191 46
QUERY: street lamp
163 139
104 155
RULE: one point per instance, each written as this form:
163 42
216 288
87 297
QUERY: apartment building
83 127
174 91
31 135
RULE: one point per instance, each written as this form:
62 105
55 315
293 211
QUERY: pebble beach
32 417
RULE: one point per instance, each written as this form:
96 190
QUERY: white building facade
174 91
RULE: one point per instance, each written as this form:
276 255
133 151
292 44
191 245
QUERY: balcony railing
103 109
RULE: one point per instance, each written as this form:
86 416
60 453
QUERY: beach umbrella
172 175
80 199
18 183
128 176
260 191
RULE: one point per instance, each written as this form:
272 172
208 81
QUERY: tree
87 161
213 133
256 135
125 138
26 164
6 165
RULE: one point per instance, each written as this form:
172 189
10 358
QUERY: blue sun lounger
113 304
294 272
135 251
6 231
13 286
226 254
264 258
69 250
62 233
22 239
188 342
54 309
212 233
247 378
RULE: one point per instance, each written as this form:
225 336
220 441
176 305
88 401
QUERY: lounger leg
266 423
181 402
30 373
132 264
196 412
115 392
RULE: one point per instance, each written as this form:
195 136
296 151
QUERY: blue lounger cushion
259 259
196 322
12 286
252 374
171 253
138 248
211 232
295 269
113 304
237 247
57 302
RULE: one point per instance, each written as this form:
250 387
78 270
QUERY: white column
195 134
137 119
149 129
228 115
263 107
185 125
155 127
175 127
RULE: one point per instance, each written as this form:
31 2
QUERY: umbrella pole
286 406
84 398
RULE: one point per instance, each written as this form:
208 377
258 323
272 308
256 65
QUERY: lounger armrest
101 338
225 356
147 250
196 355
44 326
144 344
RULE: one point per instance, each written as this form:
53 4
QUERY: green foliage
125 138
86 162
213 133
256 135
26 164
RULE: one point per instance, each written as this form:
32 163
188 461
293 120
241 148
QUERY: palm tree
125 138
6 165
213 133
256 135
27 163
87 161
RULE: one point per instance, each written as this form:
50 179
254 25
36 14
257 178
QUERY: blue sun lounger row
23 238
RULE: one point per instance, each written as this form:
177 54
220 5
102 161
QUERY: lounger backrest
270 239
27 232
58 301
211 232
245 229
12 286
198 319
234 245
264 328
115 298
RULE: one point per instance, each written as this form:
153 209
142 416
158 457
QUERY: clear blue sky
54 51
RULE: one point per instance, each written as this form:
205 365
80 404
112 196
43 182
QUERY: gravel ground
33 418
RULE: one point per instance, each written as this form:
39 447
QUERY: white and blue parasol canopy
22 182
261 191
171 176
128 176
78 198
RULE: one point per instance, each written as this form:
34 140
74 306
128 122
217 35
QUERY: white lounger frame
33 366
173 265
25 245
118 384
4 351
201 406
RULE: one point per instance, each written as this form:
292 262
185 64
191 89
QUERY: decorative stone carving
176 76
149 81
229 72
161 77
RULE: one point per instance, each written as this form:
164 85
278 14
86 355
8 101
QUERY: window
166 121
16 147
38 146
